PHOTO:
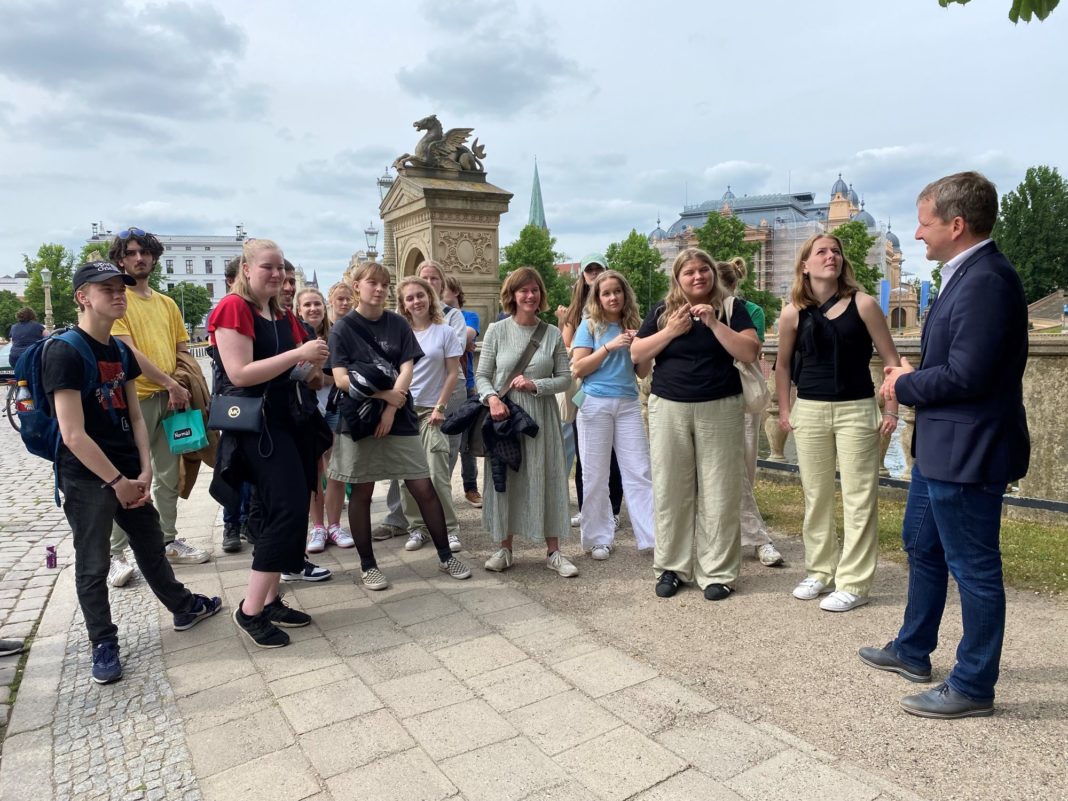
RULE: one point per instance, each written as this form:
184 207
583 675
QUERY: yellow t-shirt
156 327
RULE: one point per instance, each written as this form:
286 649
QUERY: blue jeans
238 514
91 510
955 528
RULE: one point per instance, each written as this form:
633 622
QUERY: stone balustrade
1045 397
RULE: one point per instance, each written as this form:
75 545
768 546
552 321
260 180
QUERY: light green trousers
165 473
697 452
846 433
436 447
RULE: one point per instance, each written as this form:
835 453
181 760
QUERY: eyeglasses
130 232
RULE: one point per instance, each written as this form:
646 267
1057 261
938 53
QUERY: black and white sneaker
205 607
309 573
667 585
260 629
455 568
282 615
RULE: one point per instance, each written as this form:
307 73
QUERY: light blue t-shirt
615 377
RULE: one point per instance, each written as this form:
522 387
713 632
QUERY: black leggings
422 490
615 480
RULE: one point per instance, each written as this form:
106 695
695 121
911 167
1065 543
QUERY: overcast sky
186 118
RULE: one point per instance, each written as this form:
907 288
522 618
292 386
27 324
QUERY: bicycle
10 411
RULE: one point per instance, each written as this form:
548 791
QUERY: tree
856 244
61 262
9 306
639 262
723 237
534 248
1032 231
1020 10
193 301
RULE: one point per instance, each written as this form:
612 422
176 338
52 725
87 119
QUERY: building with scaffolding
780 224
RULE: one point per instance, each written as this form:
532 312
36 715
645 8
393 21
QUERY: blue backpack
39 427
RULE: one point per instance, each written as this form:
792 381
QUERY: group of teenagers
354 393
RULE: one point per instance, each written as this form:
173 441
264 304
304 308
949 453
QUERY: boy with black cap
104 467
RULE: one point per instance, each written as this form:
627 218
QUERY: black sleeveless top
832 357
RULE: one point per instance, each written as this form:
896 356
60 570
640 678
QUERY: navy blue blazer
968 388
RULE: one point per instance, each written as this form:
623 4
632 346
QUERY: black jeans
90 511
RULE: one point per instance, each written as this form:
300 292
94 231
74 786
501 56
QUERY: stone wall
1046 402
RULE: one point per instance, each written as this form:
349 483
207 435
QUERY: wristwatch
440 408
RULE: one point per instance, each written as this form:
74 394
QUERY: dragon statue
443 150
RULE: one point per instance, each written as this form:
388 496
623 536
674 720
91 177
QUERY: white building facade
196 259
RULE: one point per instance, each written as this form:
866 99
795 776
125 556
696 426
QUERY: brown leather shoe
474 498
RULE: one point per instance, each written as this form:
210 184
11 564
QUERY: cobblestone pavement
125 744
29 521
433 689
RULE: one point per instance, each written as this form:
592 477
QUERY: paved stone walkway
433 689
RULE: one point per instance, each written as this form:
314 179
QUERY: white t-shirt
438 343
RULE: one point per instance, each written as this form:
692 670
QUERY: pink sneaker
340 537
317 540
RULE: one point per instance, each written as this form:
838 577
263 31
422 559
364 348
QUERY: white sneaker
600 552
768 555
842 601
576 521
810 589
340 537
374 579
181 552
561 564
500 561
454 543
416 540
317 540
120 572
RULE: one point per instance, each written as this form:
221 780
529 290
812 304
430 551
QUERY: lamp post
389 258
46 282
371 234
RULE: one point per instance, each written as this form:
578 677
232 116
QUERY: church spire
537 208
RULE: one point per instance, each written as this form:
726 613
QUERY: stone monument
442 207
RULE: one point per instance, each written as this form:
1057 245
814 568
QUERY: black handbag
476 445
236 413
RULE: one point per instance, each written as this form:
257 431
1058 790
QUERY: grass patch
1035 555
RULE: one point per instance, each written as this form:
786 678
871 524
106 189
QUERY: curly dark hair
147 241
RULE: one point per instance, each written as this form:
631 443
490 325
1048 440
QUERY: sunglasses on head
131 232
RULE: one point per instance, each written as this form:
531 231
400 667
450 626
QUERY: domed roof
21 274
657 233
852 196
891 237
728 195
840 187
864 217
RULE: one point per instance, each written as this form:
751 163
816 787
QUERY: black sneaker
282 615
11 647
717 592
260 629
231 542
205 607
667 585
106 665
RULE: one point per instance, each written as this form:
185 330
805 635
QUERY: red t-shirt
234 312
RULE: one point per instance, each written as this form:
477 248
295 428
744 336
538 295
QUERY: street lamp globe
46 277
371 234
385 183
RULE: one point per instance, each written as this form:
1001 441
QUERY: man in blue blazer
970 441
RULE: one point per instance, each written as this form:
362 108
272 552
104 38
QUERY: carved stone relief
467 251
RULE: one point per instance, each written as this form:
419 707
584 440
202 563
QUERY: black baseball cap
94 272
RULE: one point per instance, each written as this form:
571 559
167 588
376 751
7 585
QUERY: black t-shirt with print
394 336
695 367
64 368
